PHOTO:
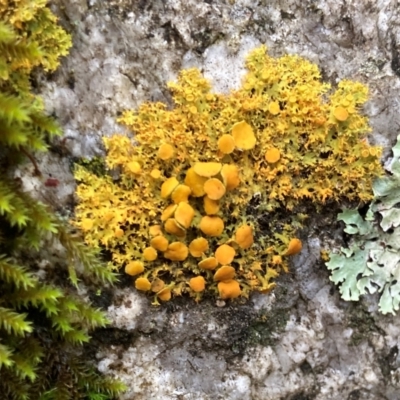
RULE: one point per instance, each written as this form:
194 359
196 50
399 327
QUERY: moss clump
42 322
284 136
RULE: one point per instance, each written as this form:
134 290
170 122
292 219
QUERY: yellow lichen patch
108 216
340 113
134 268
134 167
184 215
214 188
244 236
181 193
119 233
142 284
165 294
207 169
157 285
155 230
150 254
276 260
226 144
87 224
274 108
177 251
229 289
172 227
225 254
211 225
209 263
197 284
210 206
230 176
168 187
155 173
225 273
165 152
160 243
168 212
272 155
319 155
243 136
294 247
198 247
195 182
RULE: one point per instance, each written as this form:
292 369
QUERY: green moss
42 322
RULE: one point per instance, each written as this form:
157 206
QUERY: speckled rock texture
301 342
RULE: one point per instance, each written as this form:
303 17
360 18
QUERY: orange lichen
155 230
150 254
172 227
210 206
214 188
198 246
243 135
165 152
176 251
294 247
283 141
195 182
134 268
165 294
211 225
274 108
340 113
157 285
155 173
244 236
229 289
272 155
230 176
184 215
160 243
197 284
168 187
226 144
168 212
142 284
87 224
207 169
134 167
225 273
181 193
209 263
225 254
119 233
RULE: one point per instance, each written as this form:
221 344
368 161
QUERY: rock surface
301 341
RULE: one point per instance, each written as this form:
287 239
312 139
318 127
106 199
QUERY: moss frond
14 323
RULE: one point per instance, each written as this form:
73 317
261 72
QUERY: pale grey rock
301 341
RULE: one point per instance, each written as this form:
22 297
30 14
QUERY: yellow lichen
198 246
282 141
243 135
214 188
226 144
209 263
211 225
134 268
229 289
225 273
197 284
225 254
